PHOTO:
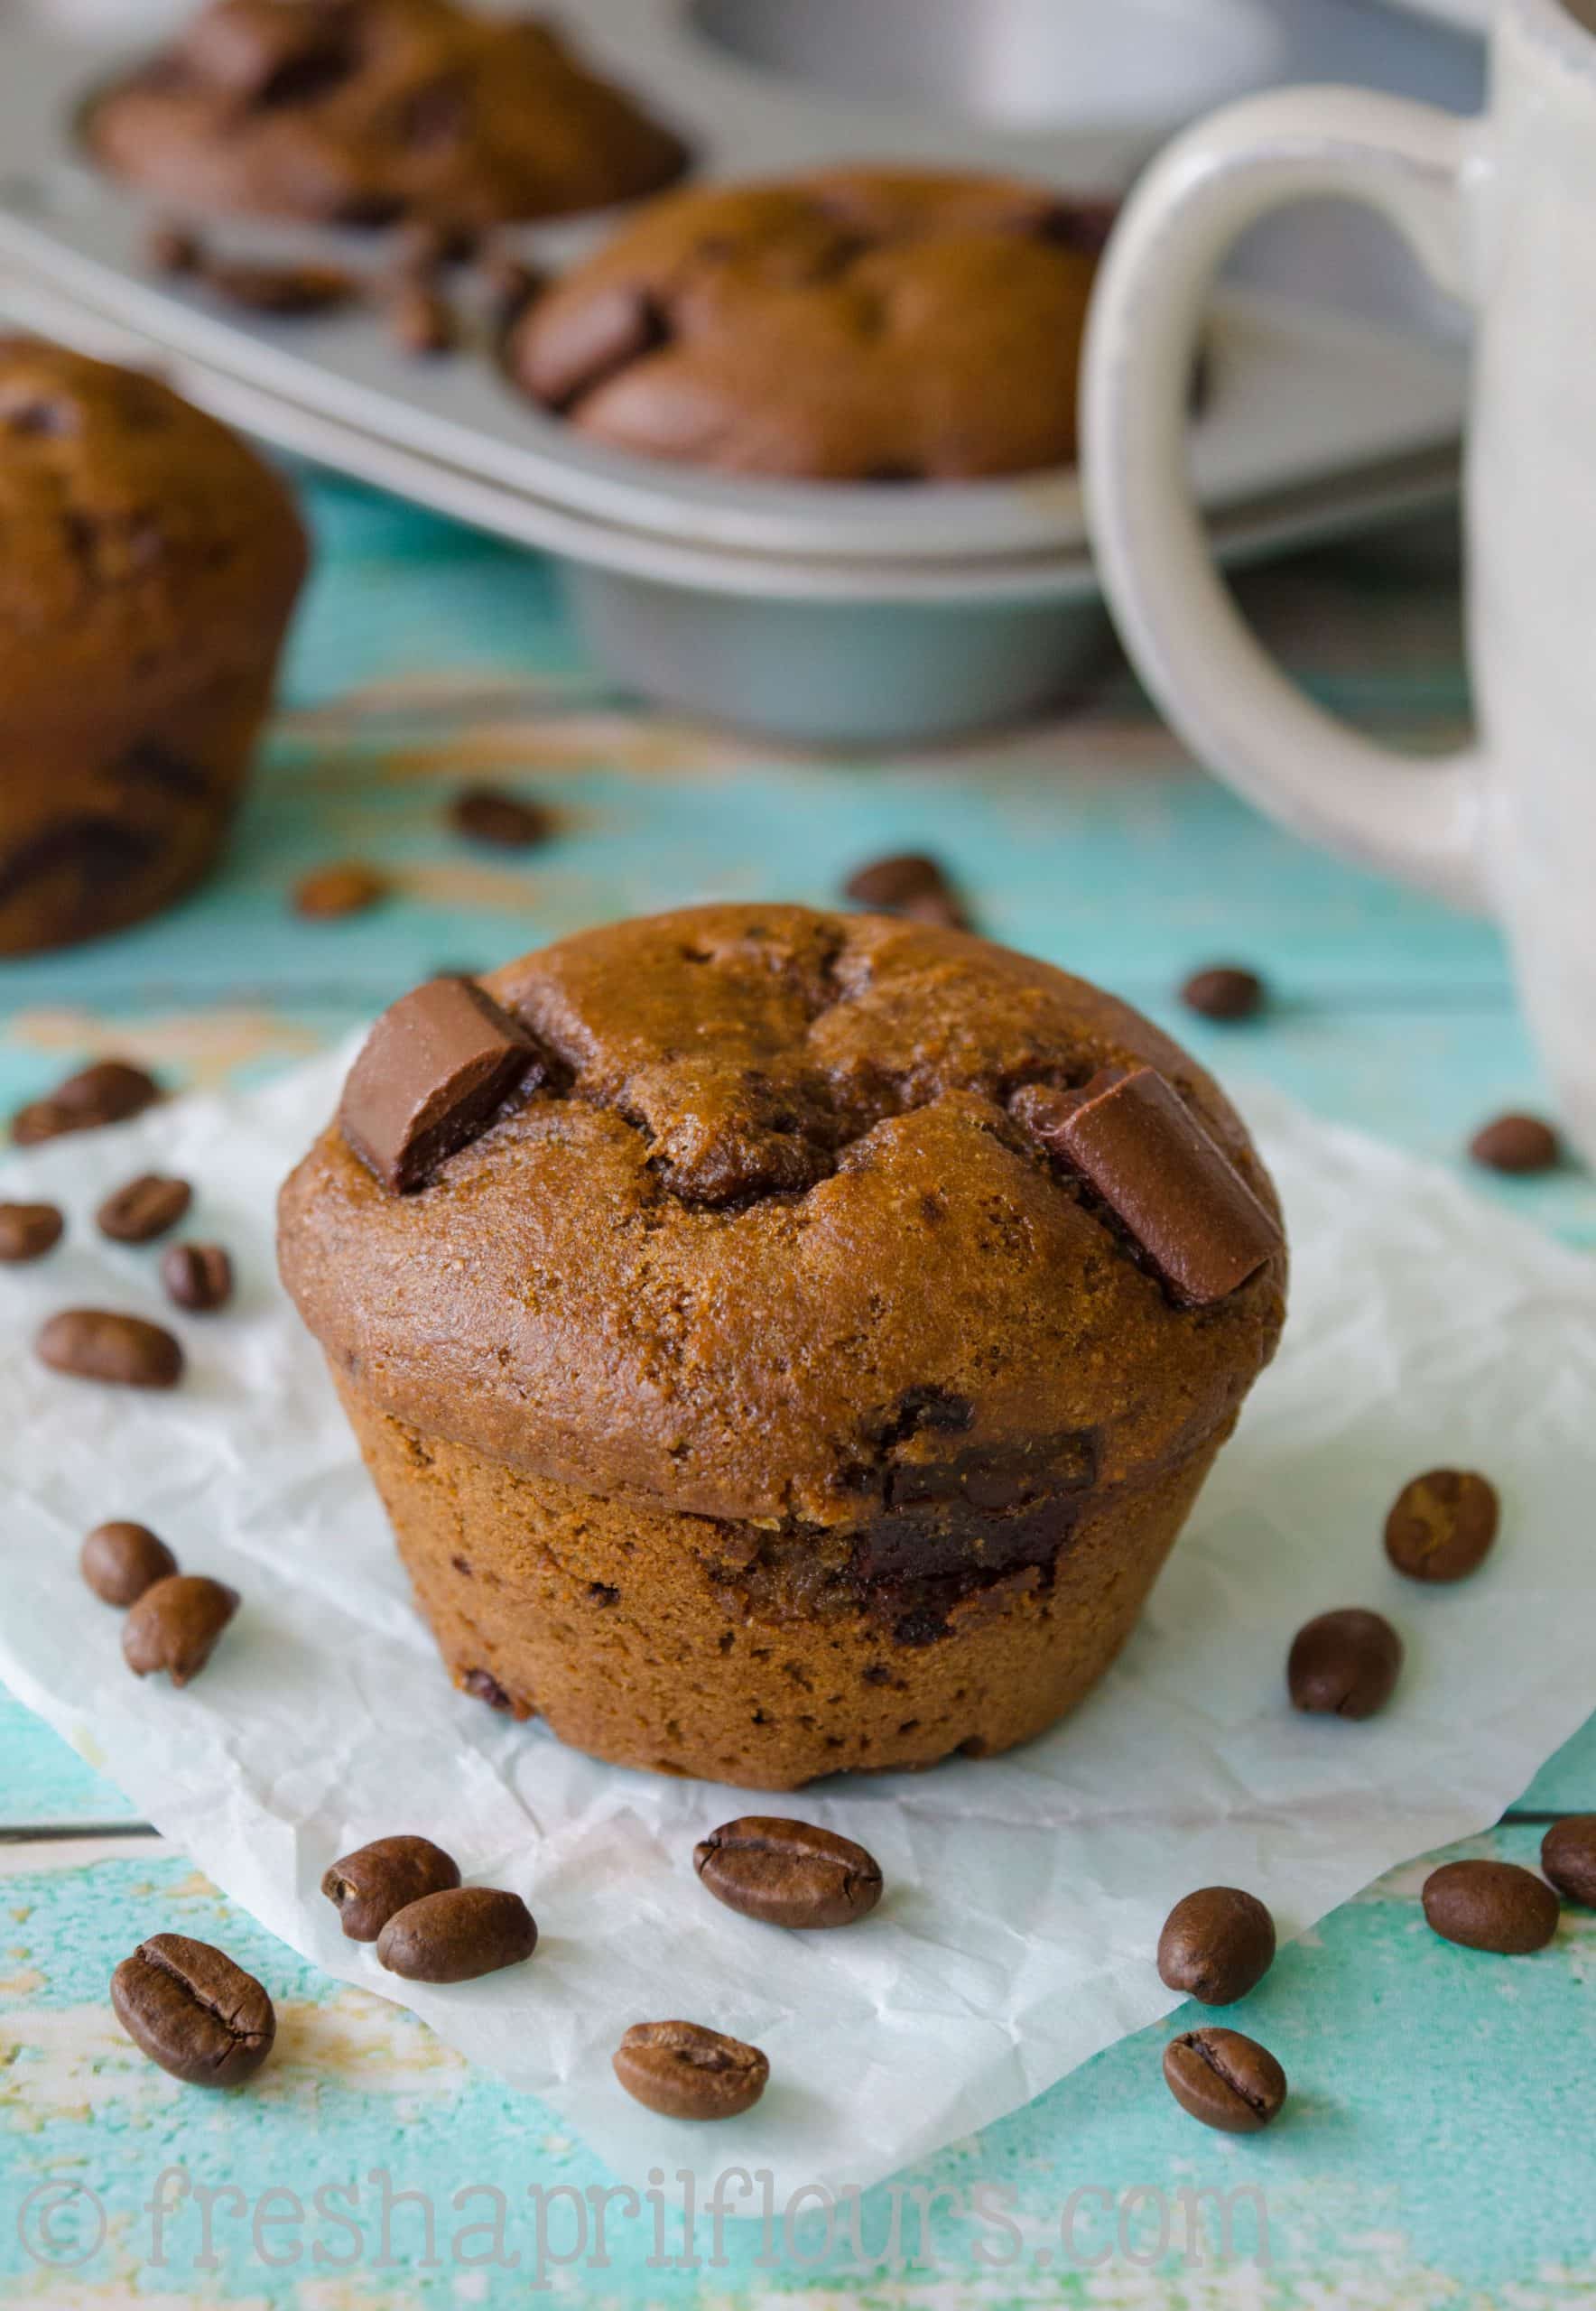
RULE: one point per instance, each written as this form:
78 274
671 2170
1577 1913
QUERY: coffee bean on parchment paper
458 1934
111 1091
29 1230
120 1560
101 1344
1344 1664
175 1625
1442 1525
371 1885
143 1209
197 1276
684 2071
788 1873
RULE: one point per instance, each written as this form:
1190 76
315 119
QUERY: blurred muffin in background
854 325
363 111
152 562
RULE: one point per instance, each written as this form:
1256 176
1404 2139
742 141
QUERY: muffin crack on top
751 1307
857 324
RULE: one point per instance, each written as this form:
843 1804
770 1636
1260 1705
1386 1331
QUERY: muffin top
760 1209
142 538
361 111
857 325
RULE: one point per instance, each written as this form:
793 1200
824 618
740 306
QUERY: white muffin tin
738 597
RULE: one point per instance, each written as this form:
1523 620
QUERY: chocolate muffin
362 111
784 1342
858 325
151 564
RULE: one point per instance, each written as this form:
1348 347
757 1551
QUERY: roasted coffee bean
99 1344
1568 1856
1517 1143
331 893
175 1626
1344 1663
1224 991
1173 1189
110 1091
788 1873
457 1934
197 1276
1216 1944
120 1561
1225 2080
1491 1906
485 814
683 2071
192 2010
29 1230
907 883
287 291
143 1210
420 321
434 1072
1442 1525
371 1885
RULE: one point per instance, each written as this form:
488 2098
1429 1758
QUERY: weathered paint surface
1438 2149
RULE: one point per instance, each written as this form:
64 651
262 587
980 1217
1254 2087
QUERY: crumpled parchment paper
1025 1892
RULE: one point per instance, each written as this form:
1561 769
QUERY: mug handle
1421 820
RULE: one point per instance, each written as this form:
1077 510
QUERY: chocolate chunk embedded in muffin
858 325
363 111
151 564
754 1394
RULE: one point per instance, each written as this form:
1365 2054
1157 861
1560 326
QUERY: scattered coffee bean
175 1626
458 1934
683 2071
121 1560
110 1091
372 1884
99 1344
1442 1525
29 1230
485 814
1227 2080
1344 1663
192 2010
1491 1906
1216 1944
143 1210
287 291
331 893
197 1276
1515 1142
173 248
907 883
420 318
788 1873
1568 1856
434 1072
1224 991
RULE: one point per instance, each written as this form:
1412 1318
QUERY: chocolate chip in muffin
193 2010
682 2070
327 894
1492 1906
487 814
110 1091
1140 1149
435 1070
908 884
483 1686
102 1344
143 1209
1517 1144
1443 1525
1344 1664
1227 991
175 1625
29 1230
198 1277
120 1560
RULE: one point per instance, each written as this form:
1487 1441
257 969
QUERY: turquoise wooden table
1438 2149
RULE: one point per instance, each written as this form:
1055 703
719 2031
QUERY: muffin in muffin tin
850 325
152 562
784 1342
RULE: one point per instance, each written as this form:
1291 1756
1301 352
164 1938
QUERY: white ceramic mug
1502 209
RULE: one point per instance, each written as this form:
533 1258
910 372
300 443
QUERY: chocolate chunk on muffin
363 111
857 325
151 564
784 1342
